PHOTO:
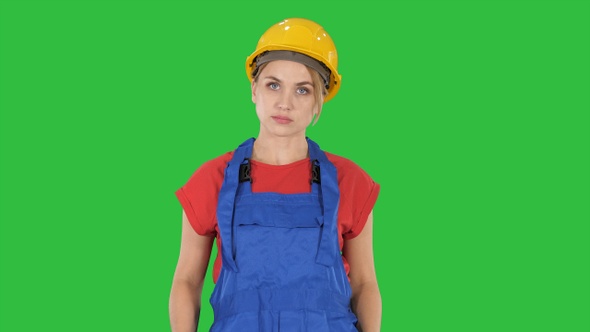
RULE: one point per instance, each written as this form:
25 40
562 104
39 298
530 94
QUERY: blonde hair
319 92
319 89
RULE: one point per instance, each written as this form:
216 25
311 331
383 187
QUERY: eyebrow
278 80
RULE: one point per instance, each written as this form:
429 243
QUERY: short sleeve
198 196
358 195
366 199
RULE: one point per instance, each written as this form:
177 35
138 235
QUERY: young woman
293 223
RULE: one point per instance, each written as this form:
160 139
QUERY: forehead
286 71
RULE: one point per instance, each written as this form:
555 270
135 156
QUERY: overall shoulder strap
330 195
226 200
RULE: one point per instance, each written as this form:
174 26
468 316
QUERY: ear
253 88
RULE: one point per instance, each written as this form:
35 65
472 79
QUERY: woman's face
284 98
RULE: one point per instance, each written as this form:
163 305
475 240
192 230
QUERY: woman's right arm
185 296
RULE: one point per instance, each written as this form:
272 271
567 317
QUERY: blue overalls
282 268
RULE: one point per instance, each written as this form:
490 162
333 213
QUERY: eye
302 91
273 85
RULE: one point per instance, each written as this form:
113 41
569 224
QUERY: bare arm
187 285
366 299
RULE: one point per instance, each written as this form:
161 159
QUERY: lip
281 119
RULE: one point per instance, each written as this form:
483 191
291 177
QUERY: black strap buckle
315 172
245 172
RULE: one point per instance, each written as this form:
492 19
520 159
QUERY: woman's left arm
366 299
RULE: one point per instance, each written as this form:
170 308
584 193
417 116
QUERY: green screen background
474 116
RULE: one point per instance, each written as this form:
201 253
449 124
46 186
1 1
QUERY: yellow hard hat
299 39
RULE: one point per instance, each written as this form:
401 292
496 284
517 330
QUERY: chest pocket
284 221
277 245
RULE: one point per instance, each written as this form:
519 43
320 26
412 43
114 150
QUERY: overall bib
282 268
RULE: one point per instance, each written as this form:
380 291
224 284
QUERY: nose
285 101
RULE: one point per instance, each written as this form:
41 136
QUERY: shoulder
217 164
209 176
213 168
346 168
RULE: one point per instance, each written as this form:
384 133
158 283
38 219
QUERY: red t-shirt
358 194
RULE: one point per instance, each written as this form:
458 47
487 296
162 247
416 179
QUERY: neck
279 150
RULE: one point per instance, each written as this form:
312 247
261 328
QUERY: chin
286 132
